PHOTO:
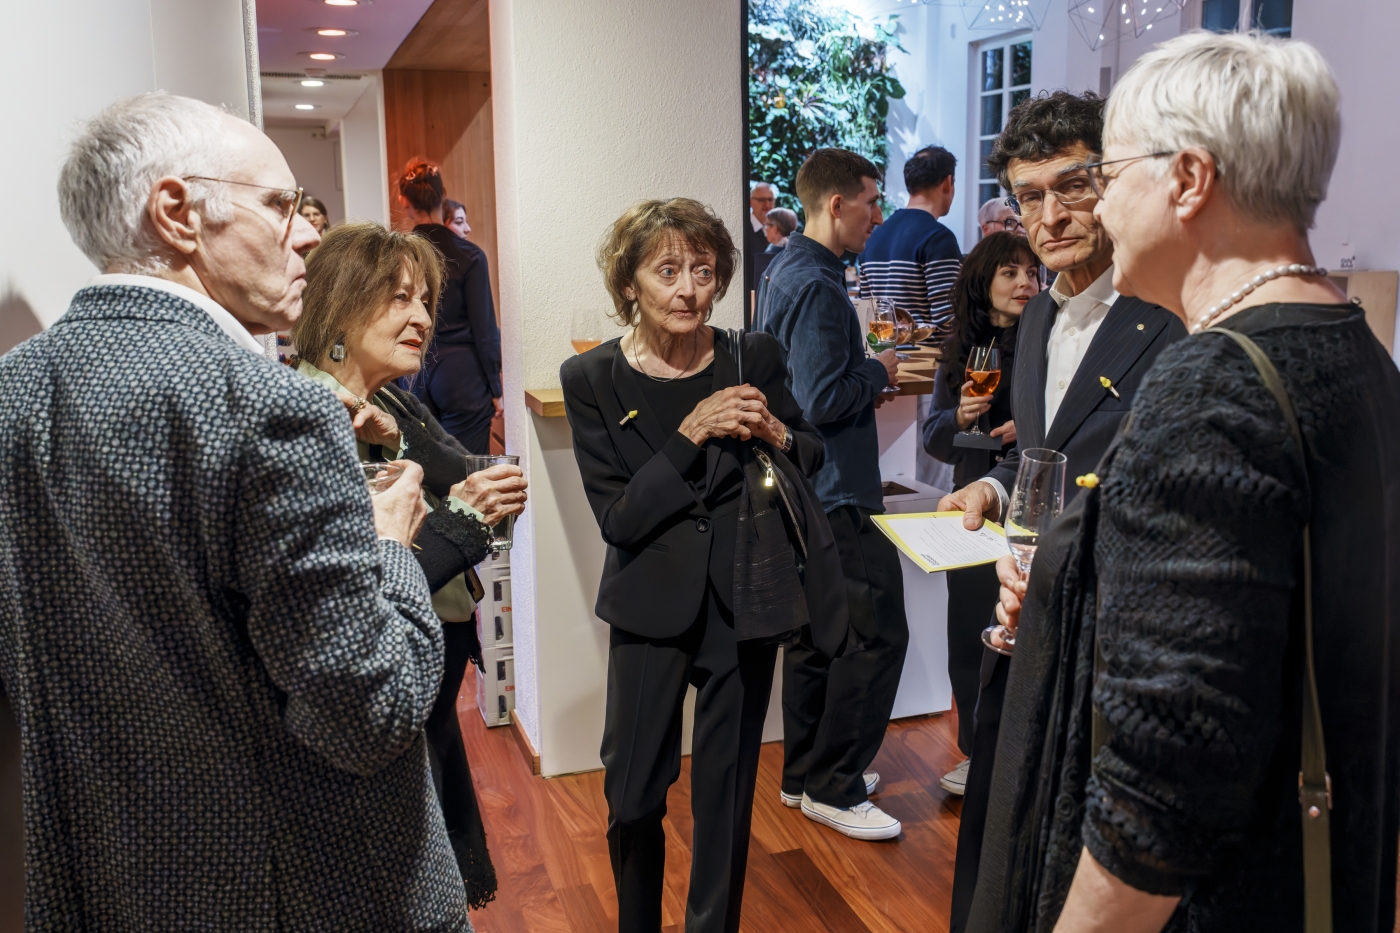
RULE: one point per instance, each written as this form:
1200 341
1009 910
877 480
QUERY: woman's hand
1013 590
971 407
1007 433
495 492
372 424
738 411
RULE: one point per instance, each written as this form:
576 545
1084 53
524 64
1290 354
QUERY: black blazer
1123 349
666 535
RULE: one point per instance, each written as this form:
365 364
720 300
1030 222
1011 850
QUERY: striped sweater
913 259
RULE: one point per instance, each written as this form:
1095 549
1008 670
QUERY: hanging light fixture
1005 14
1099 21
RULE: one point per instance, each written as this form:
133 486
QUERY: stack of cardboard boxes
495 688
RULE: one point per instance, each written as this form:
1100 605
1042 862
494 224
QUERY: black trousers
972 598
977 797
647 679
452 776
453 385
835 711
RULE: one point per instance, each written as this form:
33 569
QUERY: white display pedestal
924 686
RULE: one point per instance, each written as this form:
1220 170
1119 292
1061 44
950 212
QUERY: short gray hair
784 219
990 209
117 158
754 186
1266 109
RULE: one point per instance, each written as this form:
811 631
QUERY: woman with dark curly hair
665 431
367 317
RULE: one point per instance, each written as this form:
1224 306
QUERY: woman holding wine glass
1199 726
997 279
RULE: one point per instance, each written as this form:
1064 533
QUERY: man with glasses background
1081 352
221 651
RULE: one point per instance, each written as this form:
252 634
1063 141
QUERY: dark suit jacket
1123 349
650 492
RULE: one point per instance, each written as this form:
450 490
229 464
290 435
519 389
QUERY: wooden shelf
915 383
547 403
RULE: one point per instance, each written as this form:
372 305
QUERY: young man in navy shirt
835 710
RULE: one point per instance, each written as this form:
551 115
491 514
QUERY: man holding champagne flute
1082 350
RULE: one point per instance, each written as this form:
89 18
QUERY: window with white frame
1001 80
1274 17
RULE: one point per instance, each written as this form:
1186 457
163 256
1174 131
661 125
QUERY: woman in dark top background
461 377
367 313
997 279
658 417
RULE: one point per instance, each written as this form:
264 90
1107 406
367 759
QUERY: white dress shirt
226 322
1075 324
755 222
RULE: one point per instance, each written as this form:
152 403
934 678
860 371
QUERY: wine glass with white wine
587 329
1036 499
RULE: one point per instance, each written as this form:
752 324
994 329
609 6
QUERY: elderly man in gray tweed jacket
220 650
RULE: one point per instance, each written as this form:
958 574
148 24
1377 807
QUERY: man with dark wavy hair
1081 352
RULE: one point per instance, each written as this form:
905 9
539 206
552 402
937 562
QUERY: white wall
1358 217
313 157
364 155
596 106
106 50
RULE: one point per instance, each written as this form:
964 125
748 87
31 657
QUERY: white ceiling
287 32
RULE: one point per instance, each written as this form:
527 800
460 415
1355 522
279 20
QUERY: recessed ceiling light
313 83
306 106
342 2
334 32
324 56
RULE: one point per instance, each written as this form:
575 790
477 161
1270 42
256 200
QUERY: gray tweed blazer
220 676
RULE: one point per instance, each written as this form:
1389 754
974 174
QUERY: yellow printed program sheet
938 541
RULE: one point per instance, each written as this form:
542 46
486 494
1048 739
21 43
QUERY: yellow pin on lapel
630 415
1088 480
1108 384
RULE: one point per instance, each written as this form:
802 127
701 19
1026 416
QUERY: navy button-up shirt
804 305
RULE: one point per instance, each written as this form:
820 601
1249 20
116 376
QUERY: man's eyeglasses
1028 201
1099 180
288 201
1011 225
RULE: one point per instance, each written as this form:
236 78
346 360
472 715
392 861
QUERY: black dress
972 591
449 544
1182 567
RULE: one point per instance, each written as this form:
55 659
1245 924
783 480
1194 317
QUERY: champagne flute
984 372
1037 498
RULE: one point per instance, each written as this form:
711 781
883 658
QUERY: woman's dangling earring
338 352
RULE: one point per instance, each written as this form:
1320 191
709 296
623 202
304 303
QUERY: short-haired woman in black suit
659 417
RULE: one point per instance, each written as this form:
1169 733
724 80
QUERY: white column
596 106
364 155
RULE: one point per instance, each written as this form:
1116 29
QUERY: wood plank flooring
551 855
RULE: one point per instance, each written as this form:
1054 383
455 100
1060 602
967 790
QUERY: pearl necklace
1214 311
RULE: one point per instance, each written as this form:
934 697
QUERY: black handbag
770 550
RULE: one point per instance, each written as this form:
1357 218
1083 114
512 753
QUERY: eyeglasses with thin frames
1100 181
1028 201
286 197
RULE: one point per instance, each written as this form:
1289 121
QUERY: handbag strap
1314 783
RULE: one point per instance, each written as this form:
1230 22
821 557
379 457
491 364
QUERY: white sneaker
872 781
955 781
863 821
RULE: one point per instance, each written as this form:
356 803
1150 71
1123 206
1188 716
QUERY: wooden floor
547 841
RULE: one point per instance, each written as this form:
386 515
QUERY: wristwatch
787 439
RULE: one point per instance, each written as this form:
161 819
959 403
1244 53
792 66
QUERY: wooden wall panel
445 116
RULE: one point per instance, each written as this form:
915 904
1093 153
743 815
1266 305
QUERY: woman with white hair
1207 667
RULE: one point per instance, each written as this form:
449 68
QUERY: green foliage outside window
818 77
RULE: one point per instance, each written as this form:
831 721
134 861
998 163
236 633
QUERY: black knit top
1185 571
